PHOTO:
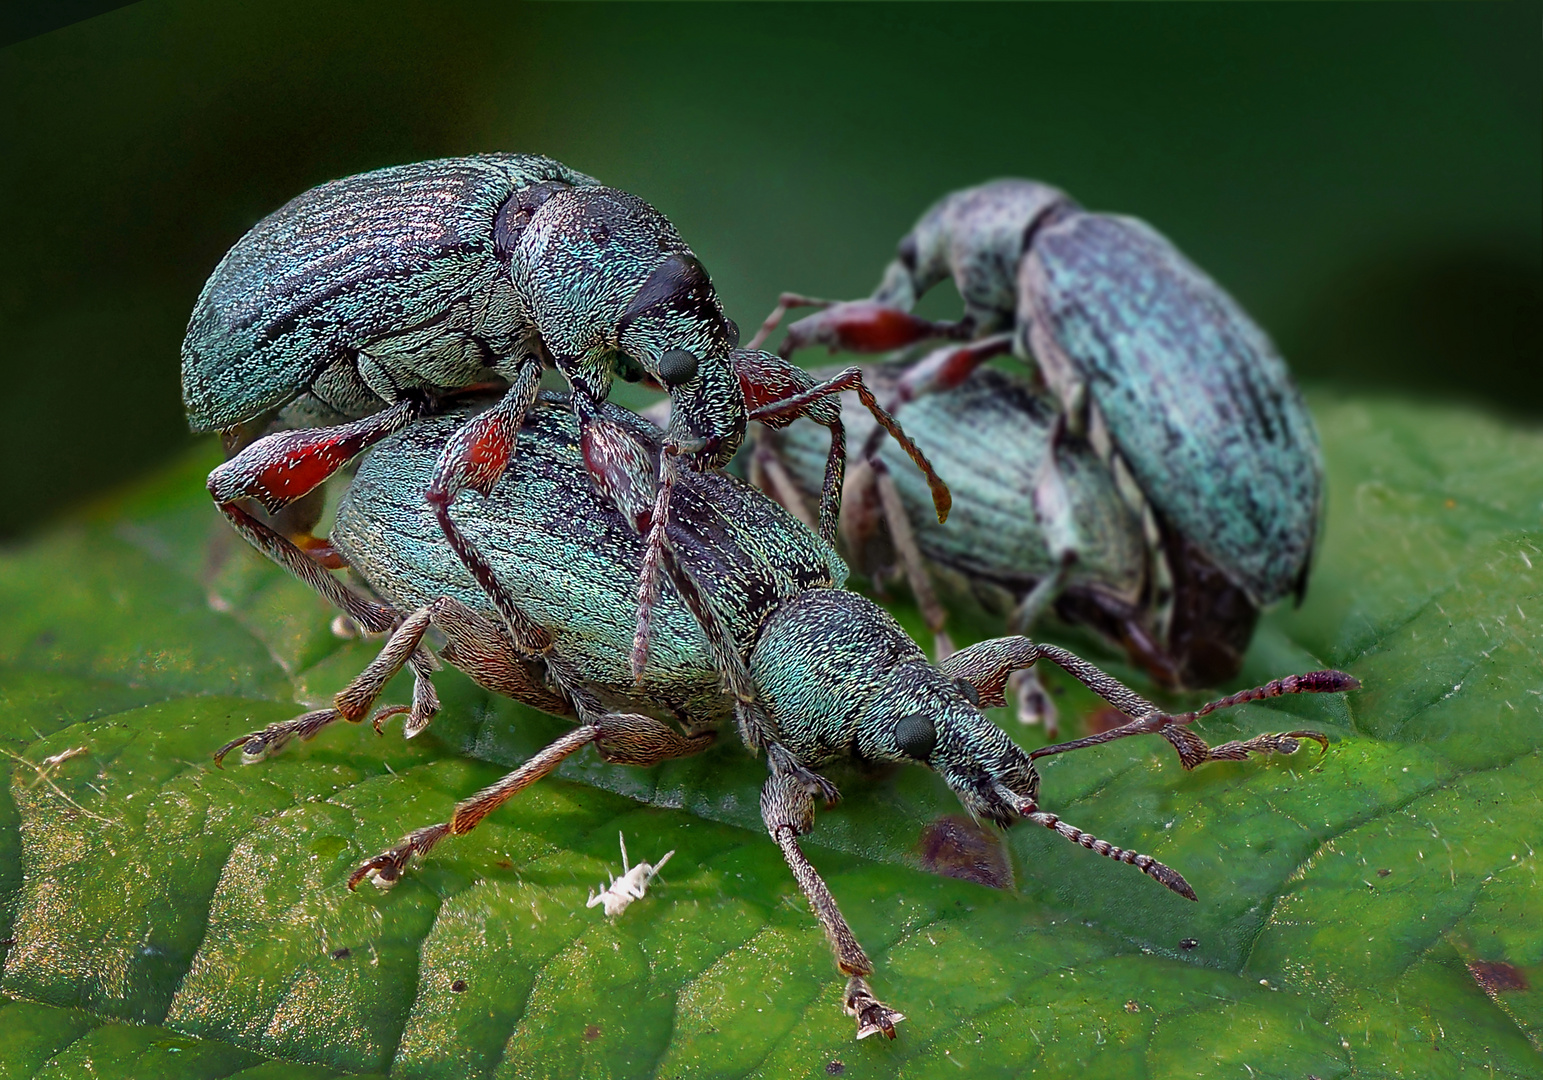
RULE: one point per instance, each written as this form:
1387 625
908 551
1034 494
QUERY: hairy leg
787 807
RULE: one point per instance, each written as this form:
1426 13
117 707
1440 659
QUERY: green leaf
1372 911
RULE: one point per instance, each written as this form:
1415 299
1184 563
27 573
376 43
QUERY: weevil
633 884
1146 353
992 436
354 306
530 597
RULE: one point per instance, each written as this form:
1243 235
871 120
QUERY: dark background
1366 179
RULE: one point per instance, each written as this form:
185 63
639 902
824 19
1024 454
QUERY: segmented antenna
1145 863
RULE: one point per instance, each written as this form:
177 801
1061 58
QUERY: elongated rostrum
751 624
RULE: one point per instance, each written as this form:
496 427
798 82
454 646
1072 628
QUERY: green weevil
530 597
1147 354
354 306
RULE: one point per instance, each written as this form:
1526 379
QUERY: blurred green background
1366 179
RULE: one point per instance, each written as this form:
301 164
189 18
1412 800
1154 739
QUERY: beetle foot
258 745
1194 752
385 869
873 1016
785 764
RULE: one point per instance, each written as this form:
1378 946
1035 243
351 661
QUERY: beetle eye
916 736
733 328
677 366
967 688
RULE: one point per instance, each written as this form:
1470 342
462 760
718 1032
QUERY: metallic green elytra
1194 394
1141 347
530 587
361 288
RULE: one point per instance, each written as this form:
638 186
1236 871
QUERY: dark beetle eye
967 688
916 736
677 366
733 329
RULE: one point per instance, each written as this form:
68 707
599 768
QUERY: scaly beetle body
992 438
1144 350
530 595
366 299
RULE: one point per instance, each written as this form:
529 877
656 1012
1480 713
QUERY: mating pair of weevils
595 578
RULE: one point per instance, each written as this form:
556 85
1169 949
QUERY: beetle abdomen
346 267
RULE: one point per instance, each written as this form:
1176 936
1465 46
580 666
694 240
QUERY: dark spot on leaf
592 1032
957 847
1497 976
1188 944
46 638
1132 1006
834 1068
504 864
1383 873
458 987
342 953
1106 719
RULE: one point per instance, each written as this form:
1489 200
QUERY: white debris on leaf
632 884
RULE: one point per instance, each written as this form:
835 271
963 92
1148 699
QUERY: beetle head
674 329
977 236
920 715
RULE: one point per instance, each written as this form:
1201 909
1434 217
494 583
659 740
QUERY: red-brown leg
280 469
477 455
785 303
779 393
946 368
863 326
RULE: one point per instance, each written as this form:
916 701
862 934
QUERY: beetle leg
904 539
283 467
785 303
479 452
787 807
374 617
527 636
946 368
779 393
864 326
754 727
654 549
988 664
620 737
768 473
623 471
469 634
1192 750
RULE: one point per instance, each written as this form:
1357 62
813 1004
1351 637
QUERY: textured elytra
571 559
1195 395
989 439
397 264
1420 579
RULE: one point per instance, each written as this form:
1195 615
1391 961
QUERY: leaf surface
1372 911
